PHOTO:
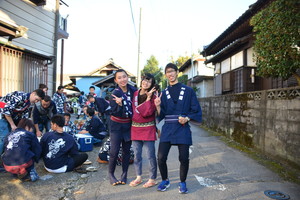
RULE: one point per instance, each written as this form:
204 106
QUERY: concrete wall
267 120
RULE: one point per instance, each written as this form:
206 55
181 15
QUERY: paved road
216 172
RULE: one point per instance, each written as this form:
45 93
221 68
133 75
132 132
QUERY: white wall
237 60
250 58
225 66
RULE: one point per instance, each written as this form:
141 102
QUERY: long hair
23 123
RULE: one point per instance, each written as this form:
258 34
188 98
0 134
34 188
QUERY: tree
277 39
152 68
180 60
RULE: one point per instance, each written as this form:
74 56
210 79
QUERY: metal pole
139 45
62 61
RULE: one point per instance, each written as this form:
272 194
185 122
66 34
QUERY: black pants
78 161
163 151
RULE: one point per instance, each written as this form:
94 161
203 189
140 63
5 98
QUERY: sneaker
182 188
33 175
163 186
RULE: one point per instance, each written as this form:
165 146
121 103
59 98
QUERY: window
39 2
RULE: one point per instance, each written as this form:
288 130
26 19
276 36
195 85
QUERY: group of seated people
58 147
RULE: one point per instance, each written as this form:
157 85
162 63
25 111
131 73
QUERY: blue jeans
150 151
44 124
4 130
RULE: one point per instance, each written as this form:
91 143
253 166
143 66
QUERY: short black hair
60 87
171 65
90 111
47 98
119 70
42 86
90 96
92 87
40 93
67 114
82 92
59 120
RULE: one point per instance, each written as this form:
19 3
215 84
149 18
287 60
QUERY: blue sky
100 30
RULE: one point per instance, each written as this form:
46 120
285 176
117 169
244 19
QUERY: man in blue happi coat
177 105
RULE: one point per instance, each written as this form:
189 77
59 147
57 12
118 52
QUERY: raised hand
118 100
157 101
149 94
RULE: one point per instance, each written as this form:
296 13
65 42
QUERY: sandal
135 183
149 184
87 162
91 169
113 180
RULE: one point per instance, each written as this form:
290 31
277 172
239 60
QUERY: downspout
55 44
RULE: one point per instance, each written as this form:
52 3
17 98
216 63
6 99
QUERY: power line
132 18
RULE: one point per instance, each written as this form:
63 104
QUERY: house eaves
185 65
222 53
199 78
240 28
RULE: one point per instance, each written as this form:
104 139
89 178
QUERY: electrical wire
132 18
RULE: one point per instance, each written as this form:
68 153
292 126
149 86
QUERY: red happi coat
143 113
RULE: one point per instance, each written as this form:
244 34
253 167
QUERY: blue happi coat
122 130
186 105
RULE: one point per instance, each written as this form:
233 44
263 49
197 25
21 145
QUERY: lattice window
20 71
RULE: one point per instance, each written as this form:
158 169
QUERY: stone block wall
267 120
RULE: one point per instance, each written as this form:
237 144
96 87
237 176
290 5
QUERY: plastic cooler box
85 142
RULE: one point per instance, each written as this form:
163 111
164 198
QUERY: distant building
29 31
102 78
200 76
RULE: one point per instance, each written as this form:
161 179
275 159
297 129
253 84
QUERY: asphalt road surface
216 172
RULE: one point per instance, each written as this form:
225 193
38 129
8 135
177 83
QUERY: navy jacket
95 127
57 149
20 146
179 102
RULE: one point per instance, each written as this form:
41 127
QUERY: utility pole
139 46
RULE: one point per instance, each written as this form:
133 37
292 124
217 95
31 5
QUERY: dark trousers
78 161
163 151
115 143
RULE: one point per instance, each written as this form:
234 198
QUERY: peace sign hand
157 101
118 100
149 94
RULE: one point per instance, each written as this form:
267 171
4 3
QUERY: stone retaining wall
267 120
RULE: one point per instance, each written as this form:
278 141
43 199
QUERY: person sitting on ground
59 149
95 127
103 156
69 126
21 150
42 113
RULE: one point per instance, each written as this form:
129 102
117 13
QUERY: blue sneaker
33 175
182 188
163 186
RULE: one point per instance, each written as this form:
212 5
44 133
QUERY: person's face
34 98
92 90
60 91
171 74
146 84
121 79
53 126
92 100
45 104
45 90
67 119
